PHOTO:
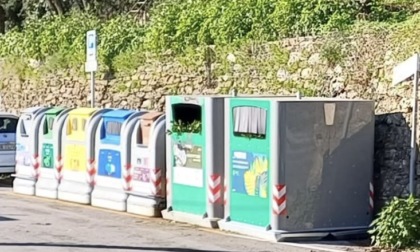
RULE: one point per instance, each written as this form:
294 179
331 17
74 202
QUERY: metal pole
413 157
92 89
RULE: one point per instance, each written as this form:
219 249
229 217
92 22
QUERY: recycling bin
8 125
79 165
111 141
298 168
194 151
145 159
49 147
27 161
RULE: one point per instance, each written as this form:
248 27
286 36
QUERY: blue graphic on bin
109 163
250 173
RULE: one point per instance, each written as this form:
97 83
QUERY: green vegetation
59 41
179 127
53 32
179 24
398 225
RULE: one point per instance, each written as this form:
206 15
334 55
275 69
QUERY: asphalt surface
29 223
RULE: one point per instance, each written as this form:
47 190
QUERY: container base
46 188
190 218
317 235
144 206
74 191
46 193
287 236
248 230
74 197
109 198
24 186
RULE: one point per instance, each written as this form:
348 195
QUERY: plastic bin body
27 156
109 190
49 145
8 126
79 165
320 169
147 165
249 161
195 167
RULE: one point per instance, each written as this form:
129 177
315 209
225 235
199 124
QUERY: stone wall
348 78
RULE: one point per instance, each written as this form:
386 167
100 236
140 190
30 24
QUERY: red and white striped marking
127 178
156 181
91 171
214 188
58 168
371 196
279 200
36 165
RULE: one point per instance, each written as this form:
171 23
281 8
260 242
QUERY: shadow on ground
6 181
2 218
104 247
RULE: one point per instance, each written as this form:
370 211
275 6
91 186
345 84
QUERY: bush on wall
61 39
181 26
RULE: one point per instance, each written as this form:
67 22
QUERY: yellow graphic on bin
256 177
75 158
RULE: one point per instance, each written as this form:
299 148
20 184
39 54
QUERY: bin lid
83 111
152 115
54 110
31 110
119 113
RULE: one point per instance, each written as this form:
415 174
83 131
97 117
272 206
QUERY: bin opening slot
72 125
83 128
76 127
8 125
249 121
186 118
48 125
25 125
112 129
145 129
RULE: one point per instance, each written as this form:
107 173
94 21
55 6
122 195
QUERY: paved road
36 224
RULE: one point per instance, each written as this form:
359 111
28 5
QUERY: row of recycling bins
271 167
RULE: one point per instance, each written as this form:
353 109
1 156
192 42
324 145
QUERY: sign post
91 65
402 72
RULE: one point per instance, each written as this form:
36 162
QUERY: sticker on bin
250 174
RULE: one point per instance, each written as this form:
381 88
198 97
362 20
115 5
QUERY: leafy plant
332 51
250 135
179 127
59 41
178 24
398 224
